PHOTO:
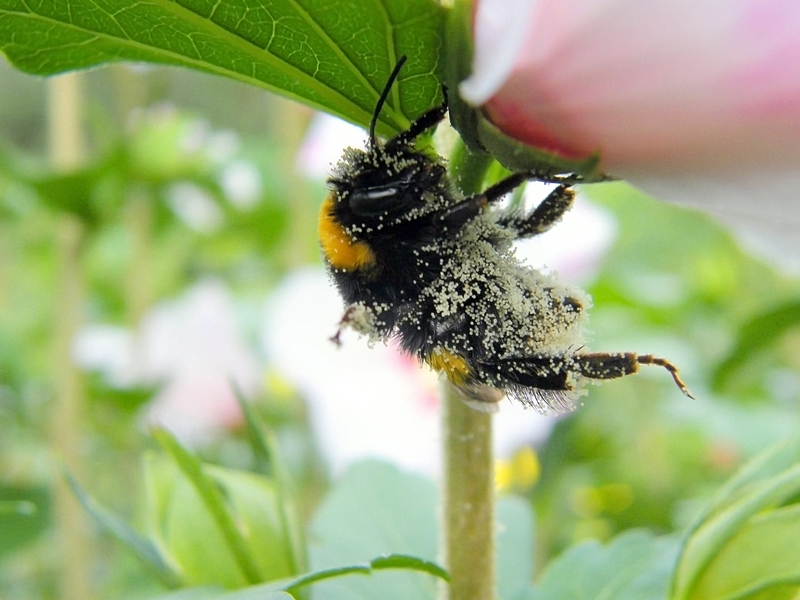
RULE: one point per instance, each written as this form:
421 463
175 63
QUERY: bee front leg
359 317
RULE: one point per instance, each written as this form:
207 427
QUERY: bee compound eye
376 201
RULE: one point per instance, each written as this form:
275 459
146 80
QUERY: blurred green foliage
637 454
137 250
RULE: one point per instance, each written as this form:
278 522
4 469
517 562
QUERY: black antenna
384 94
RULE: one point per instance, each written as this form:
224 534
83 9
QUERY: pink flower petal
661 87
695 101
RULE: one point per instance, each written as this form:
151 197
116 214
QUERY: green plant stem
468 501
67 435
468 510
289 121
467 169
131 91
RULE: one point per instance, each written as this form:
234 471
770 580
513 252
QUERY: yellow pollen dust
339 248
455 367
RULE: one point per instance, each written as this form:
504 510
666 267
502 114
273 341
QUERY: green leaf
141 547
726 538
24 515
517 156
634 566
458 66
22 508
334 56
771 462
705 543
377 509
219 526
267 453
322 575
392 561
205 592
261 441
215 503
763 557
76 192
214 593
515 546
252 594
411 563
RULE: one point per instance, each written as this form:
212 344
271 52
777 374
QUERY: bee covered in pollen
415 260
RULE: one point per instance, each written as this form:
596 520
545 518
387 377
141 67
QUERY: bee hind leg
603 365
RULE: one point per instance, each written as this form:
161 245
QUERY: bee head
386 185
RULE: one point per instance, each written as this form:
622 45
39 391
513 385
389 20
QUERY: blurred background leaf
744 545
634 566
377 509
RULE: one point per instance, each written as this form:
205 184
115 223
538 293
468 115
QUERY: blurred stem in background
138 215
289 121
67 153
139 224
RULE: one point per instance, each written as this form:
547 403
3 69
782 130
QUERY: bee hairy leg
344 322
425 122
513 181
358 317
543 372
559 372
613 365
543 217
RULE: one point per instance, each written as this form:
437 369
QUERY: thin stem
66 142
468 501
468 509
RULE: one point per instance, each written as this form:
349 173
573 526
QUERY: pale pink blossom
191 349
695 101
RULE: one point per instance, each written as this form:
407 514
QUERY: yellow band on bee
339 248
455 367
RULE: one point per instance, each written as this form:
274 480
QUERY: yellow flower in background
520 472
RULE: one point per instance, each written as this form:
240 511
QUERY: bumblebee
415 260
